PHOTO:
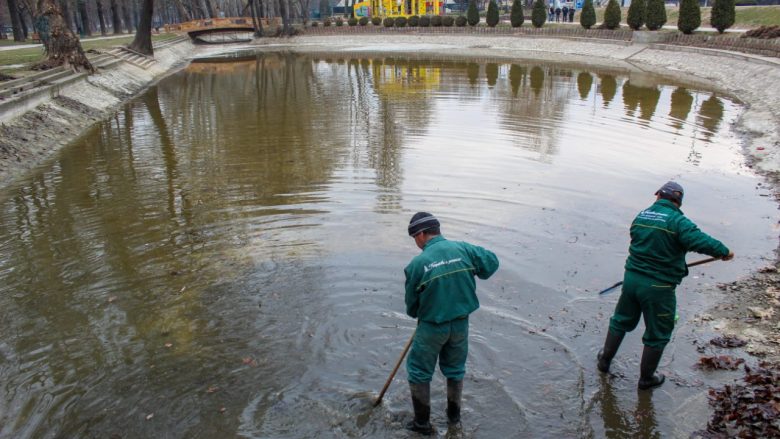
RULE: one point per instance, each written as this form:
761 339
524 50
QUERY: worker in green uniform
440 294
660 237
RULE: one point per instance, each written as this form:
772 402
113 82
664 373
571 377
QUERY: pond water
225 256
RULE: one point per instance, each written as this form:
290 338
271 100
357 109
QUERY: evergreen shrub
612 15
326 22
722 15
339 22
636 14
461 21
388 22
376 21
352 21
655 18
516 16
363 21
491 17
400 22
472 14
447 21
425 21
436 21
539 14
690 16
588 14
413 21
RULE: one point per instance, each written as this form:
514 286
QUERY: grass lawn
18 60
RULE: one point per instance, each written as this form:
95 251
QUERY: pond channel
224 257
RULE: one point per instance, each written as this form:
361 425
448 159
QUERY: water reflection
225 252
624 418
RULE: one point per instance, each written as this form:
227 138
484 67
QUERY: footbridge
196 28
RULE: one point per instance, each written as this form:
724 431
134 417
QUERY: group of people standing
561 15
441 293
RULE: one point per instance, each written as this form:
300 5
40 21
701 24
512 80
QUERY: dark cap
422 221
671 191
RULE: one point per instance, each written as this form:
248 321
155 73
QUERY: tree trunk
87 29
62 45
284 8
101 17
209 8
16 20
127 16
142 42
256 19
116 19
25 31
183 14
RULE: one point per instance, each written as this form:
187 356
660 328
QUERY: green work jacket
660 237
440 284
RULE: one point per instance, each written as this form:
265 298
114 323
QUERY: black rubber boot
650 359
611 345
454 392
421 401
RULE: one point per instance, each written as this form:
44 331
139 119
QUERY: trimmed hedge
436 21
314 24
461 21
413 21
352 21
425 21
326 22
376 21
388 22
363 21
339 22
447 21
400 22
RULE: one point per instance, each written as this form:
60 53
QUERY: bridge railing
216 23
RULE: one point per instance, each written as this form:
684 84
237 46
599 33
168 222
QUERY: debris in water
749 410
222 409
728 342
720 362
169 345
149 416
212 389
761 313
768 269
111 299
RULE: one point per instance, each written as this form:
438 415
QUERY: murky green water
224 257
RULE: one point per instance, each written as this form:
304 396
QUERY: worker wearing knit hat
440 294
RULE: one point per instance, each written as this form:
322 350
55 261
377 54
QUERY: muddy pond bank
239 259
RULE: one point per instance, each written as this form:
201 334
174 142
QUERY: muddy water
224 257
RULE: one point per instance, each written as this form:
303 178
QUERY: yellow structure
402 8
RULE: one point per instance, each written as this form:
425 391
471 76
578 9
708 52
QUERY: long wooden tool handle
395 369
692 264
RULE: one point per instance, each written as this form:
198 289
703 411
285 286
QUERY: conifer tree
636 14
690 16
516 16
472 14
612 15
588 15
722 14
656 14
491 17
539 13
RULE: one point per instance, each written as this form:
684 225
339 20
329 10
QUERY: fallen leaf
222 410
168 345
149 416
212 389
111 299
760 313
720 362
728 342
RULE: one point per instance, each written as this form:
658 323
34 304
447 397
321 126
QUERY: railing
217 23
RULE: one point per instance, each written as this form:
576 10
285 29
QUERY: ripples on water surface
226 253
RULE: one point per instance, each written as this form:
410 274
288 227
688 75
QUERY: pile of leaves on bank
749 410
763 32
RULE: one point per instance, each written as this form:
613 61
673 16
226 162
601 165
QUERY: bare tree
85 26
142 43
101 17
62 45
16 19
116 19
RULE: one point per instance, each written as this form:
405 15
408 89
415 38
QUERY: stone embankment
42 113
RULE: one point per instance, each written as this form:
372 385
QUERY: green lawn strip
747 17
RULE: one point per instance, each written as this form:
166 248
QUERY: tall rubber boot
421 401
650 359
611 345
454 393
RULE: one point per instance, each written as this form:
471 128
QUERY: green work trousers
448 342
648 297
